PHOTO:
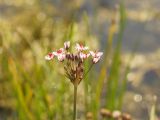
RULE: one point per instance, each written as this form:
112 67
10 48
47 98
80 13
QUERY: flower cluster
74 61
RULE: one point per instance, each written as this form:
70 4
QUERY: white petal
47 57
66 44
77 45
78 48
54 53
95 60
92 53
61 57
87 55
86 48
81 47
99 54
81 55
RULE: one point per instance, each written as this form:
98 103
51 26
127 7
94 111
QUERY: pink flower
67 45
49 56
58 52
96 56
63 54
80 47
61 57
83 55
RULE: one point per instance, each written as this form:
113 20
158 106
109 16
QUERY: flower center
59 51
50 55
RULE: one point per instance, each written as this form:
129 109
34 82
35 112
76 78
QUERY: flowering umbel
74 62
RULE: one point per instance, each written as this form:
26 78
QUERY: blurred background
127 79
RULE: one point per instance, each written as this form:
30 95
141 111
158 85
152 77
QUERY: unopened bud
67 45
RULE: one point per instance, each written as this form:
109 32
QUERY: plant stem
75 102
88 71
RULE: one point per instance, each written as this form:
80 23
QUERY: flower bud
67 45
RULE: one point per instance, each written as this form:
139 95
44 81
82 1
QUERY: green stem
75 102
88 71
